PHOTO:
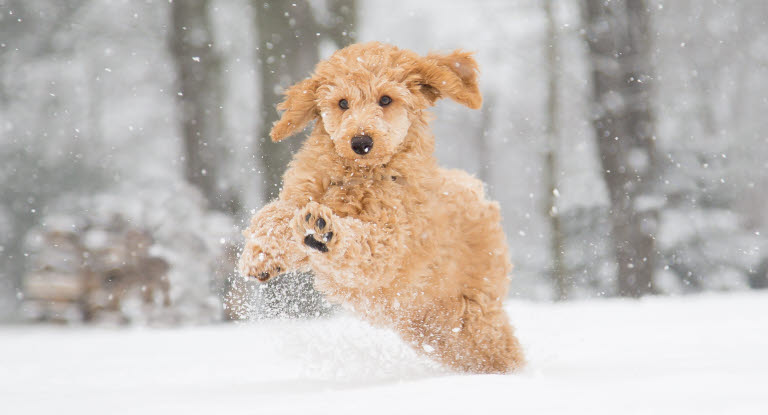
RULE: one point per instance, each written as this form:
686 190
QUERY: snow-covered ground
686 355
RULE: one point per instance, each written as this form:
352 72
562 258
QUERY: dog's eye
343 104
385 100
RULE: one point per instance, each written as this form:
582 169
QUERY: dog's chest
367 198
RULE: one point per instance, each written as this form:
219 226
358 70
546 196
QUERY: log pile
87 273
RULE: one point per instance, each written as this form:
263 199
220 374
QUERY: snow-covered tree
619 37
200 97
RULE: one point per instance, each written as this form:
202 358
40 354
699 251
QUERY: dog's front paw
314 226
260 263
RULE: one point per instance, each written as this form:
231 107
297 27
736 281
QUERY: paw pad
264 276
316 229
261 264
311 242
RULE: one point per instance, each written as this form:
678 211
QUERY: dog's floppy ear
299 109
453 75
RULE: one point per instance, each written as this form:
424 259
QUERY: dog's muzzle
361 144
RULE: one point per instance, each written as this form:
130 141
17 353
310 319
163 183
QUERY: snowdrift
703 355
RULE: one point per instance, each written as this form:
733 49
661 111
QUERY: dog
385 230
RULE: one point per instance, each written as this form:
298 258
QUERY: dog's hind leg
486 341
465 334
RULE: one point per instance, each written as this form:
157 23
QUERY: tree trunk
288 40
619 45
200 99
343 26
484 152
557 243
287 52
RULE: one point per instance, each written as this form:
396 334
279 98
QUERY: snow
698 354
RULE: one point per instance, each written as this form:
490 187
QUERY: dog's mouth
367 160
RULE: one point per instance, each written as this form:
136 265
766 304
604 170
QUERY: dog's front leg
270 248
347 252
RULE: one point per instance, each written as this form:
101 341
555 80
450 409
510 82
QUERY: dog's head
368 95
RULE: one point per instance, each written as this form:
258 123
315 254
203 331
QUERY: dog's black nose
362 144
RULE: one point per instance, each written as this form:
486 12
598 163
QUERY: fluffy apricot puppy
384 229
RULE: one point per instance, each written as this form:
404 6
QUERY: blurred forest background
626 140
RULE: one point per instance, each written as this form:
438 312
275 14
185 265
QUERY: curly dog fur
384 229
